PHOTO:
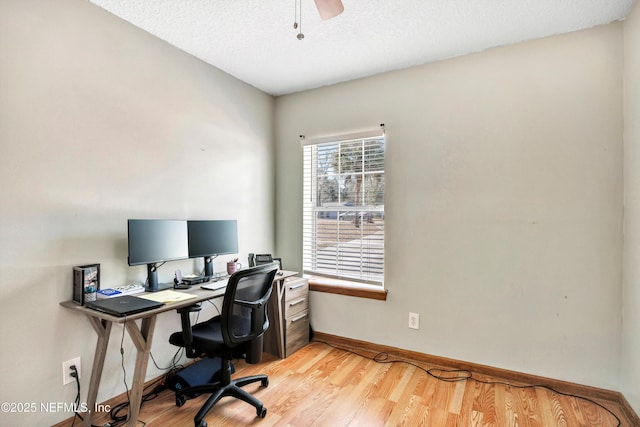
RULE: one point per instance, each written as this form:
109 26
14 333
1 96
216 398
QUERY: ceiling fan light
329 8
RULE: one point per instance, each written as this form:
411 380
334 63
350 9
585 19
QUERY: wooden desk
142 338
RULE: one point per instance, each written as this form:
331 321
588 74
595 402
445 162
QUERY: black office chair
238 330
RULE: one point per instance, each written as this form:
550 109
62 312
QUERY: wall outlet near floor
414 321
66 370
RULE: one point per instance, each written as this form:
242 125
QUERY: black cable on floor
119 420
158 385
465 375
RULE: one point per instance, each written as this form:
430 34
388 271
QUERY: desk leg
281 321
142 338
103 329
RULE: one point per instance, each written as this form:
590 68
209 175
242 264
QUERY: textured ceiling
254 40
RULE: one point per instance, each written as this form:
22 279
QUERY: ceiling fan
326 8
329 8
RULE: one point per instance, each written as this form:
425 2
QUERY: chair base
226 387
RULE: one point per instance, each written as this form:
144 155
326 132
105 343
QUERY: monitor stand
208 266
152 280
160 287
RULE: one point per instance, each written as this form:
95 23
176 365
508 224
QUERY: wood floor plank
402 384
353 370
455 403
409 404
323 386
500 405
468 416
528 407
393 377
551 408
484 402
341 411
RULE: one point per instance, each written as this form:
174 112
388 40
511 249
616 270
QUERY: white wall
101 122
630 372
503 206
503 172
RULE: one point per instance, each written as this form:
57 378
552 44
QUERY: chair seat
207 337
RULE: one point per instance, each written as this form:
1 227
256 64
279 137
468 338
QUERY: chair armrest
258 311
190 308
187 335
249 304
256 304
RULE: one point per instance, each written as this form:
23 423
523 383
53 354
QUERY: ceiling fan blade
329 8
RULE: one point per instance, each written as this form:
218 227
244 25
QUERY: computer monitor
210 238
153 241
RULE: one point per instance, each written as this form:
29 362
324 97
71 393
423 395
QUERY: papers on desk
167 296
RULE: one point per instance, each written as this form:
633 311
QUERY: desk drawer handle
291 288
298 318
300 301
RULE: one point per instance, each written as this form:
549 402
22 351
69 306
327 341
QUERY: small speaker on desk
86 283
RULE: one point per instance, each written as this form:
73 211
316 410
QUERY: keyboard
214 286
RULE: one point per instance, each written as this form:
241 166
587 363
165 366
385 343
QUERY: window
343 208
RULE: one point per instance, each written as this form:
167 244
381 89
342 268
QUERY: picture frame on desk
86 283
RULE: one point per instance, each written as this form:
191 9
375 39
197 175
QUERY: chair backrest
244 309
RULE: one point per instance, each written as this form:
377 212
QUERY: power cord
76 415
173 367
74 374
119 420
214 306
465 375
156 387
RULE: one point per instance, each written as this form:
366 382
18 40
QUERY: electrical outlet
414 321
66 370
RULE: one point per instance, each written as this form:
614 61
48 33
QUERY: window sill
344 287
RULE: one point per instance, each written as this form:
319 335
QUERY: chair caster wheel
180 399
265 382
262 412
203 423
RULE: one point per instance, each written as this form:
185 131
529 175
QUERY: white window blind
343 208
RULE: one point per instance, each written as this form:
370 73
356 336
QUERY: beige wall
101 122
630 371
503 206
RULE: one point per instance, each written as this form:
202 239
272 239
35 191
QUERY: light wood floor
323 386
